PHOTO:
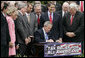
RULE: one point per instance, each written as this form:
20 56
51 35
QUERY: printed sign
62 49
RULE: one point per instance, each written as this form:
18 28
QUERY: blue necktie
46 36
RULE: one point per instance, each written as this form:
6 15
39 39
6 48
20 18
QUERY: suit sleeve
38 37
35 24
60 27
81 26
63 24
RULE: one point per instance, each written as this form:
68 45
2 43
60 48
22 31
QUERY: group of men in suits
55 19
49 26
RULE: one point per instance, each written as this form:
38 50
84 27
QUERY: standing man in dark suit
65 9
5 37
55 19
38 13
73 24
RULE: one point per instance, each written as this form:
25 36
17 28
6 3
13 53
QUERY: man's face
72 11
38 10
24 9
51 8
48 28
54 9
65 8
29 8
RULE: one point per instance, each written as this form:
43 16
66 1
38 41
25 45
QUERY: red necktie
71 20
50 18
81 6
38 20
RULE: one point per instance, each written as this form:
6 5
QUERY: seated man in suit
41 34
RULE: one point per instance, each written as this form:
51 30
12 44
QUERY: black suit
60 13
56 30
77 27
5 37
39 36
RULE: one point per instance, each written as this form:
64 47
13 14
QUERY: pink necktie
71 20
50 18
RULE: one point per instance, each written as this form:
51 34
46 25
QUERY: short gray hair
21 5
37 5
73 5
47 23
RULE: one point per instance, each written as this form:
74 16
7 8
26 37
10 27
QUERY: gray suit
33 23
22 32
22 28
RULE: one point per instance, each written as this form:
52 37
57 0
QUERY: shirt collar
49 13
4 14
21 12
44 31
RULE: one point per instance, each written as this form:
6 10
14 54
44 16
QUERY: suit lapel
74 19
68 19
54 17
47 17
42 34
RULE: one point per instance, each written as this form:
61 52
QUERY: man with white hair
73 23
65 9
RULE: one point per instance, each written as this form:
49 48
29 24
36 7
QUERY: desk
57 49
39 49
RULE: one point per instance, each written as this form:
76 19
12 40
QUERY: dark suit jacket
60 13
22 28
58 6
76 27
39 25
56 30
5 37
39 36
